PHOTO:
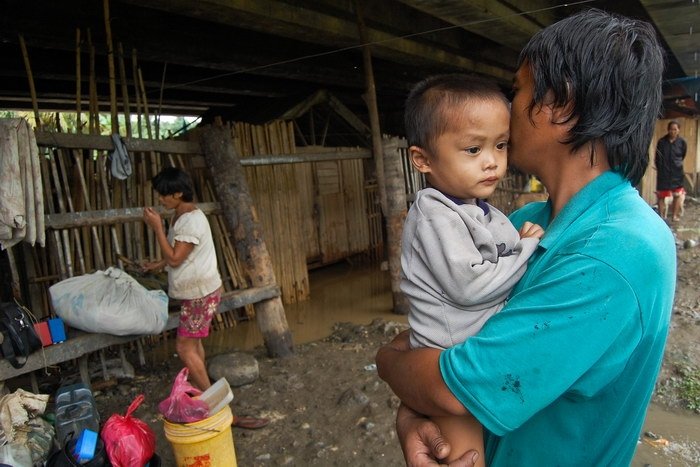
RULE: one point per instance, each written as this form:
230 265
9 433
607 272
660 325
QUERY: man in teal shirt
564 373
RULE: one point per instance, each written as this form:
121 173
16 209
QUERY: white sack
110 302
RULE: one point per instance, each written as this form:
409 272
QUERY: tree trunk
242 220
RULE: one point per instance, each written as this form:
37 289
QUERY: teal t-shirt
564 373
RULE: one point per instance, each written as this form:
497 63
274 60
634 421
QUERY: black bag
19 339
64 457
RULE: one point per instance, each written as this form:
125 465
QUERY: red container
42 329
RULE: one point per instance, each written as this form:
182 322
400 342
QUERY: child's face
470 158
170 201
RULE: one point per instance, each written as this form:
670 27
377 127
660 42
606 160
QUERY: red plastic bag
128 441
180 406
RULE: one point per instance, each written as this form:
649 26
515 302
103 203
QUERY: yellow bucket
206 443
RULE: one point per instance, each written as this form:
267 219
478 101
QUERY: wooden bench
80 344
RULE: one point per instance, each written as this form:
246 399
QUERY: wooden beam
104 143
80 343
495 21
308 25
110 216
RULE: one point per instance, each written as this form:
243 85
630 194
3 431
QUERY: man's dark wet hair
609 69
172 180
426 114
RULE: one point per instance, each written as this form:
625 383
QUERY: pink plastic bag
128 440
180 406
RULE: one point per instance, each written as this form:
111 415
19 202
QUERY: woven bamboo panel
276 196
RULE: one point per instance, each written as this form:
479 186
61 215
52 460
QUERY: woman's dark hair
426 114
172 180
609 70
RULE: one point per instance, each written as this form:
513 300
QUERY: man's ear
562 114
419 159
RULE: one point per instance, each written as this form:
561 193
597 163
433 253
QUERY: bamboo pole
160 100
111 70
92 86
125 91
137 94
62 208
133 242
99 254
78 84
30 77
49 206
145 105
69 202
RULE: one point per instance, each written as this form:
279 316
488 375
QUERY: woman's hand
152 219
153 266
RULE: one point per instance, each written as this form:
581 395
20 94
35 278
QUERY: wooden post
242 220
392 194
396 215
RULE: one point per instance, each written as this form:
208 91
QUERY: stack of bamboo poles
313 213
276 194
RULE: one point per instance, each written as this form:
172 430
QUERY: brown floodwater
360 294
339 293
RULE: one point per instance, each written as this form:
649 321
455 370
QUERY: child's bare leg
191 353
464 434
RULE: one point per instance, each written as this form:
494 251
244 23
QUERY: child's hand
530 230
152 219
152 266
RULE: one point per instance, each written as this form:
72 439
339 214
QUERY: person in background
564 373
193 275
670 152
460 256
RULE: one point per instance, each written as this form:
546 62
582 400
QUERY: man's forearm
415 378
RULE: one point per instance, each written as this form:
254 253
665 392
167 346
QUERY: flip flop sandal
250 423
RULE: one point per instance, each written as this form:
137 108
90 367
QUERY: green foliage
67 122
689 387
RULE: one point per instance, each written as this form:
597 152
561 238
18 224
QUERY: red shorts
676 192
196 315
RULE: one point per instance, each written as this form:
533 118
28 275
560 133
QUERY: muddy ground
328 407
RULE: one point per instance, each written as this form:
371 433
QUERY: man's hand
423 444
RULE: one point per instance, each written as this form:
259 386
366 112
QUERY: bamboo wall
79 181
312 212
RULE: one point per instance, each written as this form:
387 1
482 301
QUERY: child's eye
503 145
473 150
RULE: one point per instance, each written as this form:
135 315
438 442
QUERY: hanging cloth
21 195
121 163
